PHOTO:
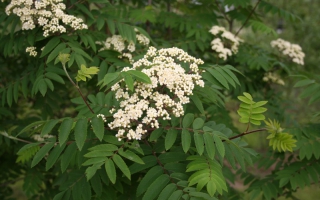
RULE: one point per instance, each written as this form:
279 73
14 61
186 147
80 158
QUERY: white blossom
32 51
294 51
46 13
170 88
123 46
218 45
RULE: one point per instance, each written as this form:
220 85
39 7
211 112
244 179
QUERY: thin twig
78 2
14 138
246 133
222 11
78 88
252 11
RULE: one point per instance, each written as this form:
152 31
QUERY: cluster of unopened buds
102 117
123 46
173 74
218 45
273 78
45 13
294 51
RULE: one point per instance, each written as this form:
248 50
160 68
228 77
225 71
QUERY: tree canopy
137 99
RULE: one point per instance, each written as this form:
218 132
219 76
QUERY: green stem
75 85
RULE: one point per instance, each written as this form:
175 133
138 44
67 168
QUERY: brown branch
246 133
223 13
252 11
84 99
78 2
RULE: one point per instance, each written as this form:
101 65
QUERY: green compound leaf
98 127
187 120
250 111
176 195
98 153
121 165
64 130
104 147
219 145
108 78
211 187
56 52
147 180
197 102
91 171
248 96
128 80
209 144
282 142
111 170
48 126
130 156
50 45
55 77
27 152
42 86
186 140
54 155
167 191
156 187
85 73
218 76
67 156
198 123
259 104
94 161
170 138
156 134
198 140
140 76
245 100
304 83
206 171
41 153
80 132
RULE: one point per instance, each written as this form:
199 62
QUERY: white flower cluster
31 51
118 43
274 78
294 51
217 44
170 88
45 13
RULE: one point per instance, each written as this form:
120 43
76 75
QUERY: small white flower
217 44
31 51
294 51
